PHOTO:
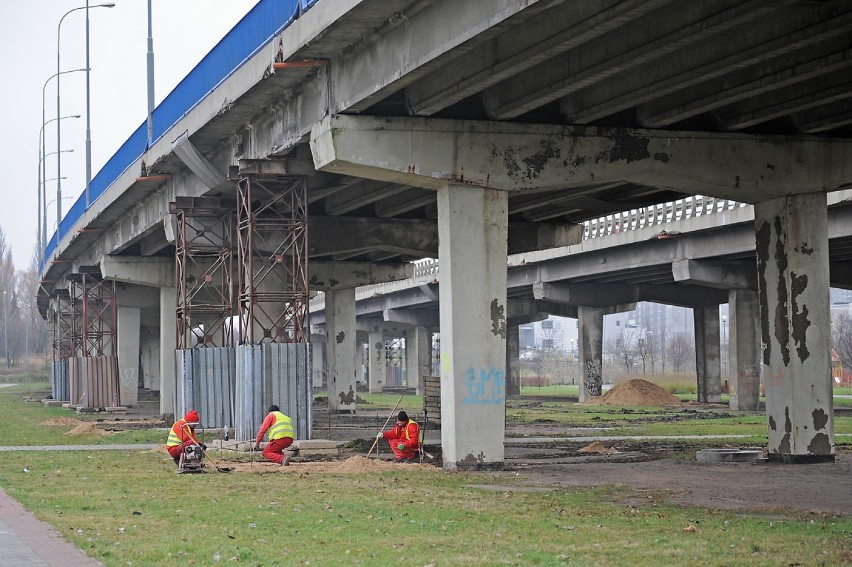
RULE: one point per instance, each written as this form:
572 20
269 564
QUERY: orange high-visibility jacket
181 432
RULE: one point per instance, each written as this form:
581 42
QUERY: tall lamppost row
58 106
42 175
42 195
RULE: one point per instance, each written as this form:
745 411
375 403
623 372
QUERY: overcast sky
184 31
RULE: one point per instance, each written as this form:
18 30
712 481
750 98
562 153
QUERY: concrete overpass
695 253
389 130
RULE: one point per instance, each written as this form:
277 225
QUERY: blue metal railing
257 28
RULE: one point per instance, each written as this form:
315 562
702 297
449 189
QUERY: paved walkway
26 541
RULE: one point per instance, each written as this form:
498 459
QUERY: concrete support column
417 351
340 349
708 361
128 355
590 320
513 361
168 344
472 230
793 283
378 363
744 350
319 363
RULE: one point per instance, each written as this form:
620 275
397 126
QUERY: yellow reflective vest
283 427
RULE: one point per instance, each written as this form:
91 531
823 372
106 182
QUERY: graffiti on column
485 387
128 377
593 382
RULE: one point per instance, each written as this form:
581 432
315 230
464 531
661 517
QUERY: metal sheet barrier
273 373
206 381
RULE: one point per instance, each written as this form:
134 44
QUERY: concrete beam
613 295
415 317
337 275
156 272
337 235
428 153
721 275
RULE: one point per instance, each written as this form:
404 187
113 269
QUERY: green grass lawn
129 508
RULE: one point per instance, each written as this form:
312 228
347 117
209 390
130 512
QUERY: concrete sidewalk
26 541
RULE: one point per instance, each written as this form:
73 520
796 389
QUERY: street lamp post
42 195
59 112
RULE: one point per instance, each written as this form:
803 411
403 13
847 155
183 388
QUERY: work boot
285 461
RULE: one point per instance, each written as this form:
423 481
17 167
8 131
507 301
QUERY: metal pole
88 115
150 78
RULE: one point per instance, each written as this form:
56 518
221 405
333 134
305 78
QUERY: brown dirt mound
636 392
597 447
86 428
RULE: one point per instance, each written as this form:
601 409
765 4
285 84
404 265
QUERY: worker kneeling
182 436
281 434
404 439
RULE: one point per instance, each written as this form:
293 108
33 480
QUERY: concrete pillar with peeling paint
793 283
744 350
472 229
168 345
378 363
513 361
590 321
708 362
340 349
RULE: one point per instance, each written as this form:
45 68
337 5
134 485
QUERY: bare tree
624 348
841 338
679 351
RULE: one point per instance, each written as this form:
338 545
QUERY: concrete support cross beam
722 275
335 275
429 153
156 272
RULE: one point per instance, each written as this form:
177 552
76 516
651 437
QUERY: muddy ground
654 470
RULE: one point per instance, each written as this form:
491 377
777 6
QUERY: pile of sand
86 428
597 447
636 392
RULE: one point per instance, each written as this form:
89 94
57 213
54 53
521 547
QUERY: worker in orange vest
182 434
281 436
404 438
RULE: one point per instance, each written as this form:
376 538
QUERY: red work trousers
406 454
274 450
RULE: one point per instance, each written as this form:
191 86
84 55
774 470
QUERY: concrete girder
366 78
722 275
415 317
775 104
428 153
333 275
619 296
516 49
710 60
156 272
338 235
595 59
743 85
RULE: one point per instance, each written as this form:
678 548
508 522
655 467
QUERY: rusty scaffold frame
63 325
272 240
95 315
204 267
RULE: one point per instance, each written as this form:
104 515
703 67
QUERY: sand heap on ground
636 392
86 428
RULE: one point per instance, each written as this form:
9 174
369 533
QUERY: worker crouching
280 428
182 434
404 438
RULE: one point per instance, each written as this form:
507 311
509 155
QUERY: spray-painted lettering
485 387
